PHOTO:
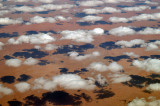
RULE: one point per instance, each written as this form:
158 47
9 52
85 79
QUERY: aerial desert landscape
79 52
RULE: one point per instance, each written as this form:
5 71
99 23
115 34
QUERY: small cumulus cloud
13 62
122 31
119 78
5 90
30 61
76 56
131 54
153 87
136 8
91 3
22 86
90 18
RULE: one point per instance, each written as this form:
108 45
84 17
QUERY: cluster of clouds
45 7
101 67
104 10
33 20
75 55
18 62
39 19
148 65
141 17
123 31
90 18
144 102
42 1
115 10
91 3
66 81
130 43
40 38
141 43
136 8
82 35
116 69
47 47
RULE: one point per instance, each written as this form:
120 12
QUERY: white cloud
22 86
5 90
131 54
154 87
122 31
104 10
98 66
148 64
114 67
91 3
13 62
118 78
43 1
50 47
101 80
82 35
75 55
136 8
30 61
41 83
7 21
40 38
1 45
130 43
38 19
90 18
110 10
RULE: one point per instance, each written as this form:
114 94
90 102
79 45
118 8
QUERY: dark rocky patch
109 45
8 79
15 103
34 101
65 71
61 98
51 31
31 32
154 76
80 15
24 77
137 81
43 62
102 93
78 48
95 23
86 97
122 6
7 35
34 53
141 4
117 58
8 57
